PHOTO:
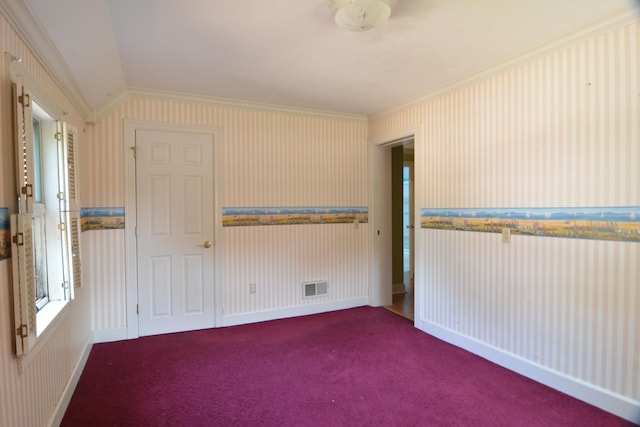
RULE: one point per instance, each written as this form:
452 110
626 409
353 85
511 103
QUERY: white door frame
131 260
381 288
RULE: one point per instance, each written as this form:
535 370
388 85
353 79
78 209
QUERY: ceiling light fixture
362 15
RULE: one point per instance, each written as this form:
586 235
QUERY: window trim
58 312
38 329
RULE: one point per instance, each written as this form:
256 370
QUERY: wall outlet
252 288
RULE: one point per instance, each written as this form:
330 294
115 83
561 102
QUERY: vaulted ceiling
290 52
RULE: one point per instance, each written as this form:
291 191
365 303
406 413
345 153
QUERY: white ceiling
290 52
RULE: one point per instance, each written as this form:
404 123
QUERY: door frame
412 215
130 210
381 287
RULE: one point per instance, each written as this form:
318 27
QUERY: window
40 282
45 231
37 161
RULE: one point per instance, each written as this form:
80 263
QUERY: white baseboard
398 288
109 335
606 400
67 393
303 310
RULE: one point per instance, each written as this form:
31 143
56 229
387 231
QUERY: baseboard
67 393
303 310
398 288
109 335
604 399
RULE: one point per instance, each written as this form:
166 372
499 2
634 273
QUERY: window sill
47 320
48 314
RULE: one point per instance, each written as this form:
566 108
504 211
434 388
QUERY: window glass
37 161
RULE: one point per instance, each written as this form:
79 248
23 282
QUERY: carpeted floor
357 367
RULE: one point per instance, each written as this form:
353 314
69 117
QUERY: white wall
559 129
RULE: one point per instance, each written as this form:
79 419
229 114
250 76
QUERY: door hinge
137 311
22 331
27 190
24 99
60 196
65 285
18 239
133 149
62 226
58 136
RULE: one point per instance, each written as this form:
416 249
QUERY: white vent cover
314 289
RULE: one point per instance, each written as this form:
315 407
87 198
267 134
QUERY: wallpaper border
594 223
5 234
113 218
293 215
102 219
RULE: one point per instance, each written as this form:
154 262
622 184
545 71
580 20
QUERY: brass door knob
207 244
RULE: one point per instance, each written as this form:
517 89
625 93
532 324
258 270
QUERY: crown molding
127 93
109 105
612 22
22 19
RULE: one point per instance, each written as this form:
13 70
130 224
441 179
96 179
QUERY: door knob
207 244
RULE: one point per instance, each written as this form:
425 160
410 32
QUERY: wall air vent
314 289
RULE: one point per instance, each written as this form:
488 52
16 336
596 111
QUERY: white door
381 288
175 224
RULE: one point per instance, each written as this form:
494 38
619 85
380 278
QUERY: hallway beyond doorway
403 304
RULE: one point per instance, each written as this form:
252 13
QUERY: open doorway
383 229
403 228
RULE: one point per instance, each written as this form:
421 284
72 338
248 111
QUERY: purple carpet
357 367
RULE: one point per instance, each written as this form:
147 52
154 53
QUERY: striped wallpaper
269 158
30 397
559 130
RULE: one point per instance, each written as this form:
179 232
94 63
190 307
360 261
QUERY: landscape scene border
258 216
595 223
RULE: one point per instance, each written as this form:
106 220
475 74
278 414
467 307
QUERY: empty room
320 212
